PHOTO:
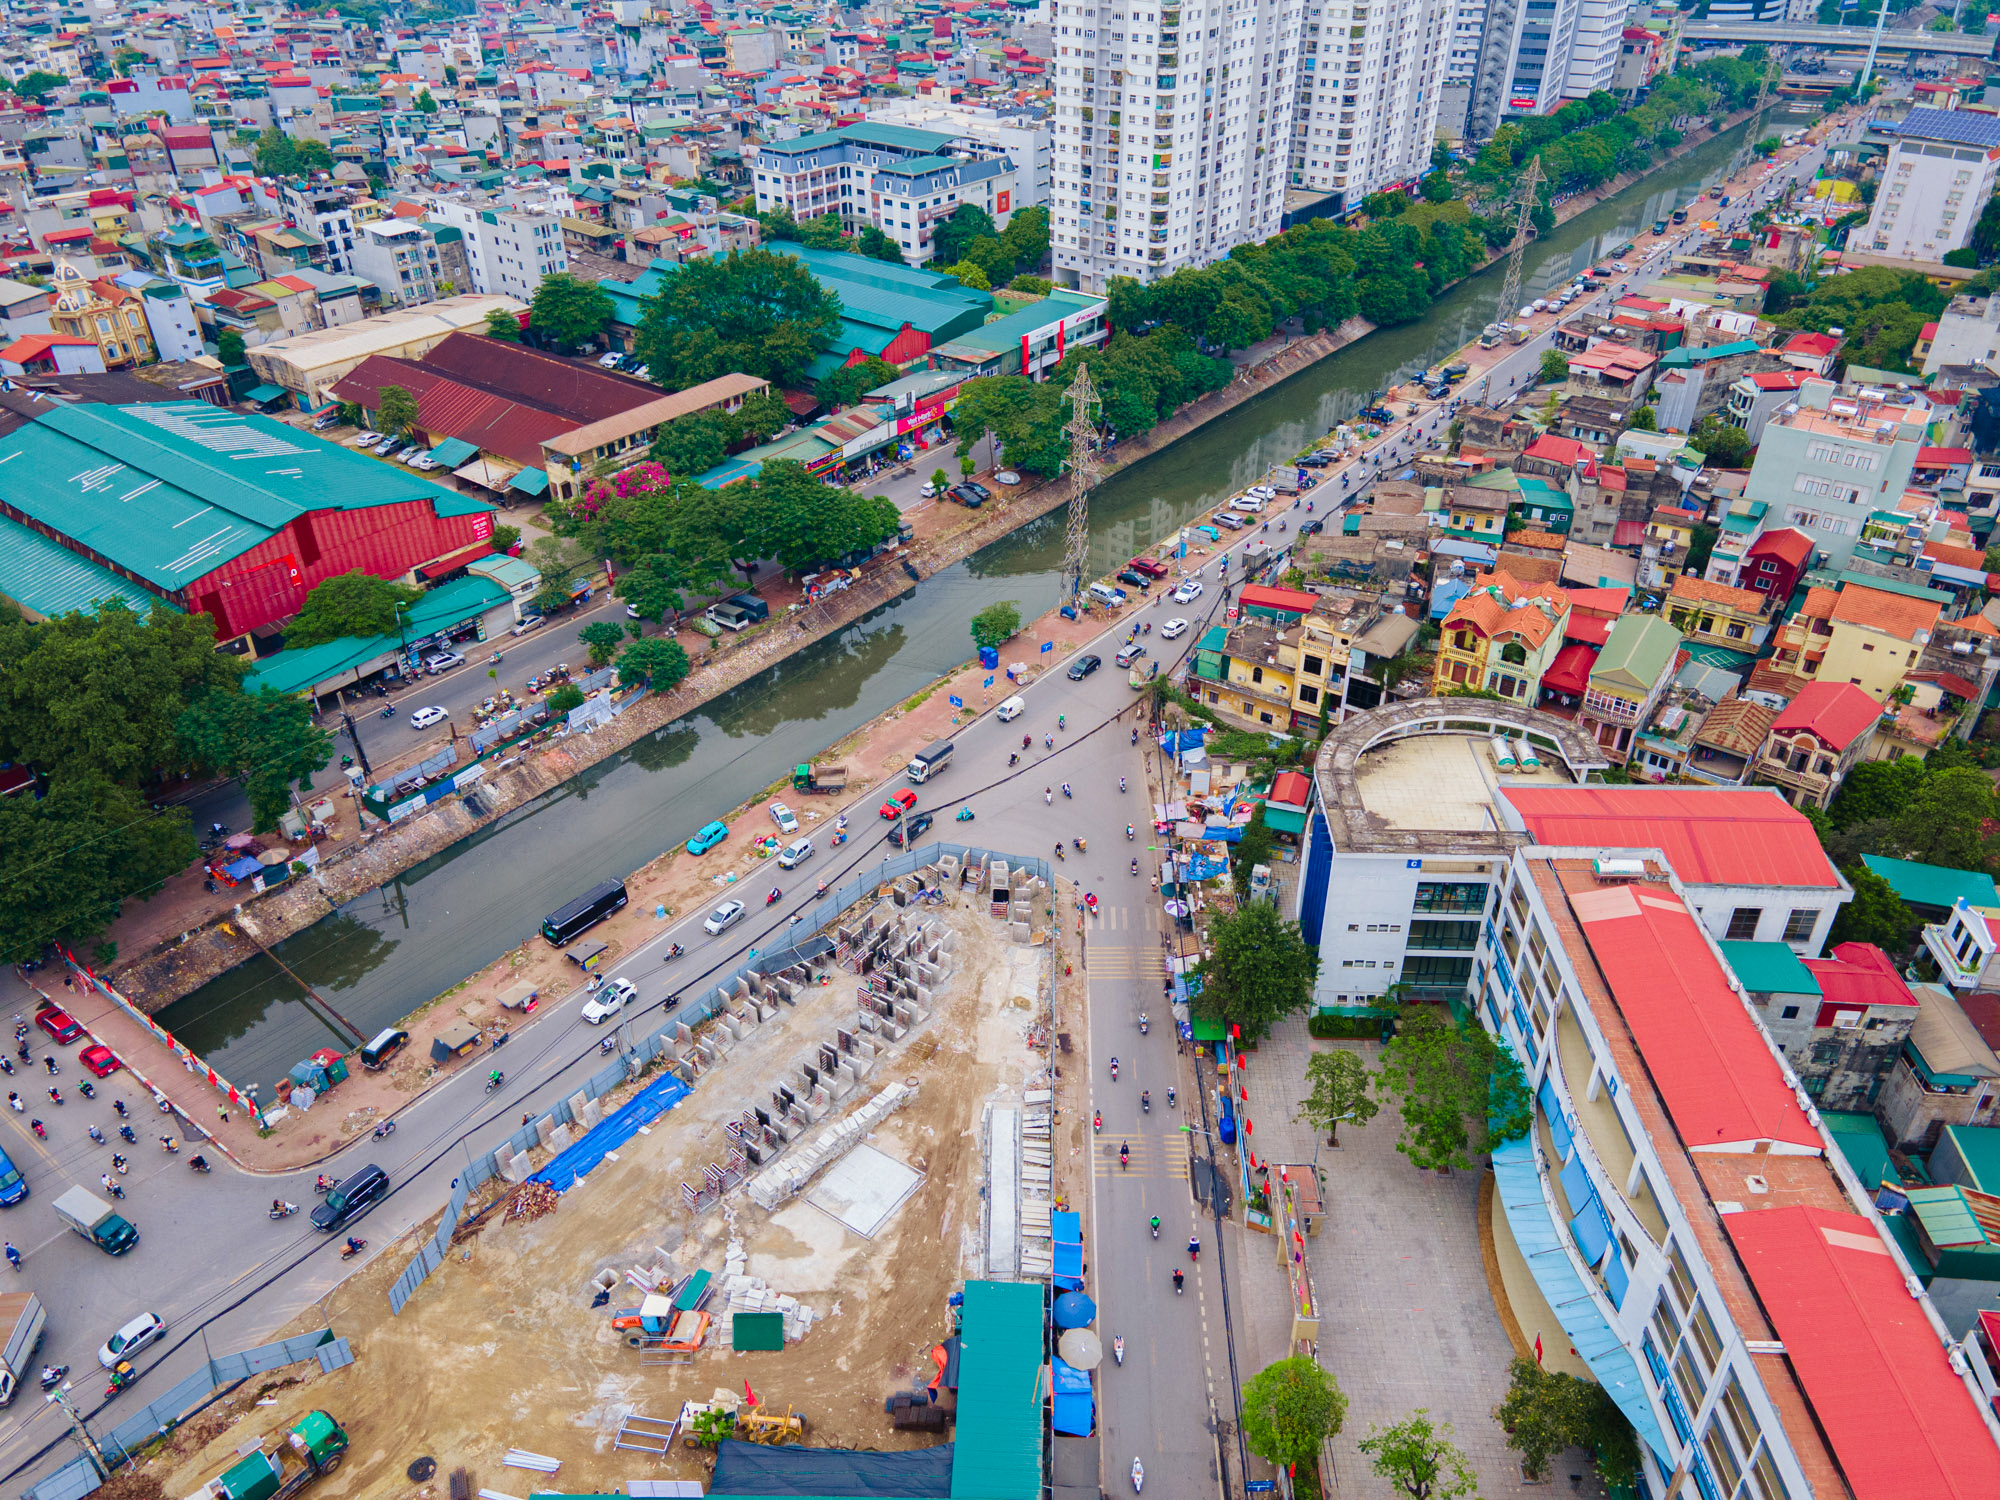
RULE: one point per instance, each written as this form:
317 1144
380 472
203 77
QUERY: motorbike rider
1156 1226
1177 1278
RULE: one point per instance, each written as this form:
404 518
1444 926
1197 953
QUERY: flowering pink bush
646 477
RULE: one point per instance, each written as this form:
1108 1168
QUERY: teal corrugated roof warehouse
1001 1399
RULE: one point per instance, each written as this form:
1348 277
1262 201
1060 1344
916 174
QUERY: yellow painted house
1502 637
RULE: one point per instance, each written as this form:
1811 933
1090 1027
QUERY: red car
1147 566
57 1023
899 804
101 1061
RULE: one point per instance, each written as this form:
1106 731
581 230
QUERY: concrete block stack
786 1179
750 1294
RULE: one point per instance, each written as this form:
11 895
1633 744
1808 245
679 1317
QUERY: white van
1106 593
1012 709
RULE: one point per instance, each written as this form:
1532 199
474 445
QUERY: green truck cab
316 1441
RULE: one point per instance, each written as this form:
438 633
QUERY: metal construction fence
175 1404
480 1170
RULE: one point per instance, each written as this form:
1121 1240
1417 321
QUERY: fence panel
74 1480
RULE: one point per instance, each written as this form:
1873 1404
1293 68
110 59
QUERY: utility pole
1874 44
1083 472
1510 289
79 1433
354 735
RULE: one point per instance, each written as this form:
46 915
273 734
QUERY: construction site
783 1256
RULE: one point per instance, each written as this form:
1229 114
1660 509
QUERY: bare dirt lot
501 1348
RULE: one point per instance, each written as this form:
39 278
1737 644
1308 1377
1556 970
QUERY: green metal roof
1683 358
1948 1221
1769 968
1978 1146
1933 885
454 451
295 671
896 137
266 392
530 481
998 1451
1712 655
1006 333
917 166
171 492
44 576
1635 653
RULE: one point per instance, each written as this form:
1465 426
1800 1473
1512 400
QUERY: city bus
584 913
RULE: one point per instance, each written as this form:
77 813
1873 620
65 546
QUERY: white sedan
723 916
608 1001
784 817
1188 592
1174 629
142 1332
423 718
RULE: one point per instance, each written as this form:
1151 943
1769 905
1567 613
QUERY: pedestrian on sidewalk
222 1110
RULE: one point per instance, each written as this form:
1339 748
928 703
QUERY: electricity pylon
1510 289
1083 474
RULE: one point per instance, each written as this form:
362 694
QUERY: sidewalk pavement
1407 1318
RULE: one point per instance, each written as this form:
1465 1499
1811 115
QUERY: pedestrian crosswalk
1151 1156
1112 962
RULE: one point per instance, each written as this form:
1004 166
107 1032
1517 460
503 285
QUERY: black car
352 1198
1316 460
977 488
1312 528
967 496
1137 579
1083 666
908 830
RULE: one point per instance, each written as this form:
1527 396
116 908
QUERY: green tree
652 586
229 348
1944 822
940 481
426 105
1721 446
101 693
658 660
280 155
1338 1084
1034 286
754 311
1548 1412
70 861
788 515
996 624
1876 914
846 386
563 699
569 312
967 223
1253 848
1877 789
1290 1409
351 415
1461 1092
504 326
764 415
876 245
603 638
559 560
1645 419
1436 188
1417 1457
967 465
39 84
267 741
1555 366
350 606
504 538
970 274
1259 970
397 413
1026 239
692 445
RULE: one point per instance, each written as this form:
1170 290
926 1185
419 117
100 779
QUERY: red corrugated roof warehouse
1711 836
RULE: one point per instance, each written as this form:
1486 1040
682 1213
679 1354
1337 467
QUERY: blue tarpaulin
1075 1407
1201 867
608 1134
1066 1230
1186 739
242 869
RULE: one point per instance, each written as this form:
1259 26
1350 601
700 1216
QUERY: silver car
725 915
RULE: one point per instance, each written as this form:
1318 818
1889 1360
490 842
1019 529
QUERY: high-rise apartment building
1367 107
1940 172
1173 131
1535 54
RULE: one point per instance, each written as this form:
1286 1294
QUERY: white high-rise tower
1367 109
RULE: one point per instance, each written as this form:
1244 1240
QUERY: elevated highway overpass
1807 34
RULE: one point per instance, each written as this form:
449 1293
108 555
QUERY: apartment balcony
1612 710
1960 974
1801 781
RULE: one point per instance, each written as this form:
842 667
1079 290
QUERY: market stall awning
260 394
454 451
451 562
530 482
490 473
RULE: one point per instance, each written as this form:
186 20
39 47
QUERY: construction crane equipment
1083 475
1510 289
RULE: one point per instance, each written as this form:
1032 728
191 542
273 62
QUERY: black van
375 1056
352 1198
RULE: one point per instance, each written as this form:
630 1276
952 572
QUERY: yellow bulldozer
703 1424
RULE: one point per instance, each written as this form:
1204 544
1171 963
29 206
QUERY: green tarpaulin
754 1331
454 451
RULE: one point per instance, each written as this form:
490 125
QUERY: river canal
385 954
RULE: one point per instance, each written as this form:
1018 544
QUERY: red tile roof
1780 380
1287 601
1785 543
1933 458
1711 835
1570 671
1857 976
1811 343
1901 1423
1559 450
1291 789
1894 614
1704 1050
1839 713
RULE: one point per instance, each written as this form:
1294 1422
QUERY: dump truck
90 1216
317 1443
21 1321
811 778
